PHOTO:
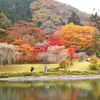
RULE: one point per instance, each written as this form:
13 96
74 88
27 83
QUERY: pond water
51 90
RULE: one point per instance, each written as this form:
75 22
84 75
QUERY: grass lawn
25 67
78 66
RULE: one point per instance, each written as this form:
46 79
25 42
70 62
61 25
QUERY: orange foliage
22 28
76 36
29 39
25 49
2 40
18 42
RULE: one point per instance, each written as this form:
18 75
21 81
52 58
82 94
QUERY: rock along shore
47 78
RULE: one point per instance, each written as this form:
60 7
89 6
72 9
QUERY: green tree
95 19
74 18
4 24
64 63
16 9
96 40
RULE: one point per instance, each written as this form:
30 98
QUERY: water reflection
54 90
47 86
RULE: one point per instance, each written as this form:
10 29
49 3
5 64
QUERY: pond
51 90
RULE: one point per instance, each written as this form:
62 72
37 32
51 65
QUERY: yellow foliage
78 36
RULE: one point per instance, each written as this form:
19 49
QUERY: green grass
25 68
79 68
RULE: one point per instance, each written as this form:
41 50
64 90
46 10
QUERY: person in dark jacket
32 68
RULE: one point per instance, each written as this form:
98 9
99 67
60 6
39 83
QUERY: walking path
46 78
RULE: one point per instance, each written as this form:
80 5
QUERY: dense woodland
16 9
53 34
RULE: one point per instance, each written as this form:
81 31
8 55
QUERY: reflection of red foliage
73 94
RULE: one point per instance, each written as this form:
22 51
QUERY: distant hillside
16 9
47 14
50 14
4 21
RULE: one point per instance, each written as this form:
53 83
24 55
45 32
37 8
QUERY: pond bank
47 78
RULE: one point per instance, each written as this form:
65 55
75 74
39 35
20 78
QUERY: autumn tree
42 47
51 50
71 52
18 42
8 54
26 31
53 55
80 37
64 63
25 49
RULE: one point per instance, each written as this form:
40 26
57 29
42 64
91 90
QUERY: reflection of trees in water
86 95
64 87
60 90
95 88
8 93
73 93
52 93
83 93
94 85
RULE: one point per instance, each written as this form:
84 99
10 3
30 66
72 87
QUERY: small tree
64 63
94 64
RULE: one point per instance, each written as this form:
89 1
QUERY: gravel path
46 78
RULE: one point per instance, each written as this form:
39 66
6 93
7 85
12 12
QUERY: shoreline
48 78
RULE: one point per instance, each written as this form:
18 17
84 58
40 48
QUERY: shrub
94 64
90 52
98 54
64 63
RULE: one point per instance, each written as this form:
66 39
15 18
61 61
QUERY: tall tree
81 37
74 18
95 20
96 40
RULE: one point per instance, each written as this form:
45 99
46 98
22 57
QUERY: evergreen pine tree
95 19
74 18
